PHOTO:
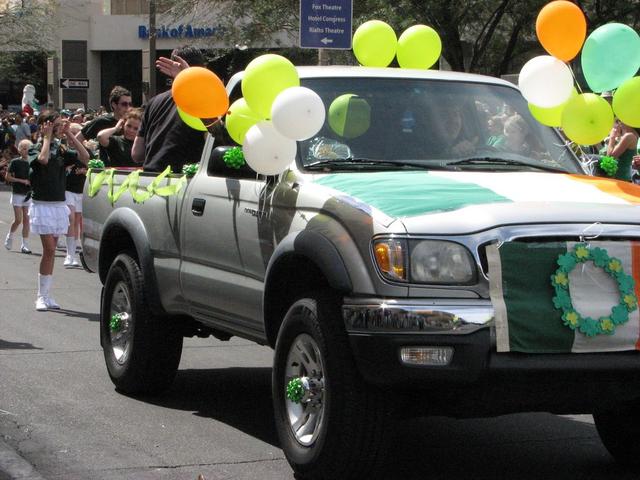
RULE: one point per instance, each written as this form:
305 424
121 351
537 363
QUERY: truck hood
462 202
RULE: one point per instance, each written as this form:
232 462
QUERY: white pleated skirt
49 218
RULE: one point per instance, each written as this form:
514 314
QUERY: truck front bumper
474 378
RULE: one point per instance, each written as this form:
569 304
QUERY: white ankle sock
71 246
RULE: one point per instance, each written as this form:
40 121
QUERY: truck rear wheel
330 423
142 351
619 430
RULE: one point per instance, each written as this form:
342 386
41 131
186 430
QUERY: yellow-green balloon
626 102
419 46
349 115
375 44
587 119
193 122
240 118
264 78
551 117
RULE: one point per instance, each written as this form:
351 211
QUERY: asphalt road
60 412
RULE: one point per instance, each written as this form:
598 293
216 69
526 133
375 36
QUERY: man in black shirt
120 102
164 139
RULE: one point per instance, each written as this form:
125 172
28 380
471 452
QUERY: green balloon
419 46
587 119
374 44
264 78
610 56
240 118
349 115
193 122
626 102
551 117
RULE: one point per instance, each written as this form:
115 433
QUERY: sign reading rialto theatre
180 31
326 23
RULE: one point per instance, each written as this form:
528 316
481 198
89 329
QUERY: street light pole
152 48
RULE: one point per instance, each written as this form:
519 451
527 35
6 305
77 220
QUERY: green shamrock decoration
234 158
295 390
609 165
95 163
190 169
571 318
115 323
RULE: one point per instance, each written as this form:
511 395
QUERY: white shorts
49 218
17 200
74 200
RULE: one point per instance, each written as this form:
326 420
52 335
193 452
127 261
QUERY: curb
14 467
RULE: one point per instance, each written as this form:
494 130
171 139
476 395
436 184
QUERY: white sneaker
51 303
8 242
70 261
41 304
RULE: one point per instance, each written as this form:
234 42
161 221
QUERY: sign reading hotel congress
180 31
326 23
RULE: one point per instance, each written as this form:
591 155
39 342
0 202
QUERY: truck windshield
430 124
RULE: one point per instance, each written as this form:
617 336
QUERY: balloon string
575 80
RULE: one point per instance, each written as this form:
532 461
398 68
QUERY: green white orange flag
559 297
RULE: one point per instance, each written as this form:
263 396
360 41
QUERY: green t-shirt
48 182
19 168
119 152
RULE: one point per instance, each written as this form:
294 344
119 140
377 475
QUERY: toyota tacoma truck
432 250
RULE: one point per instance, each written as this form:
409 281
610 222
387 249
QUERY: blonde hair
26 142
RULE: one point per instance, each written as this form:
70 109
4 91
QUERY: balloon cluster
610 58
273 113
375 45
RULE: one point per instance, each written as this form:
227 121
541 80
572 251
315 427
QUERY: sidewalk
14 467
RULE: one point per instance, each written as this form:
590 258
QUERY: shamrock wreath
562 301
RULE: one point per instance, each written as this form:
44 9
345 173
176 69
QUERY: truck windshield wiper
357 161
504 161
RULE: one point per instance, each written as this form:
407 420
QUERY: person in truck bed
163 138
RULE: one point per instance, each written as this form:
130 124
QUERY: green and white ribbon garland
562 301
131 184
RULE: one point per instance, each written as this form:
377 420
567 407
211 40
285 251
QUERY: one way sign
74 83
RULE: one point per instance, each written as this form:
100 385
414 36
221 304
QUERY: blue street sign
326 23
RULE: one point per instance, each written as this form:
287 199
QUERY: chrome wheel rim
305 417
121 338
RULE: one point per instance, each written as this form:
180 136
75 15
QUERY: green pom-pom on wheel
115 323
609 165
95 163
190 169
234 158
295 390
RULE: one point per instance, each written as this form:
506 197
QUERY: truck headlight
436 261
390 255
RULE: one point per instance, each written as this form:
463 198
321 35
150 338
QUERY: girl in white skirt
18 176
48 212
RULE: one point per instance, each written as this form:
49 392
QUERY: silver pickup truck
432 250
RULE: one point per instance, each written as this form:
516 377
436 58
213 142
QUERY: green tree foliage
482 36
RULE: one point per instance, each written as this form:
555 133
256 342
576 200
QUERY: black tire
619 430
349 439
143 355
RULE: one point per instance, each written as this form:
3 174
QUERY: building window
137 7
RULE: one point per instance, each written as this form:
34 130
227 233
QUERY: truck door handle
197 207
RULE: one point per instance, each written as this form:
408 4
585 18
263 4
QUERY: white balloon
546 81
266 151
298 113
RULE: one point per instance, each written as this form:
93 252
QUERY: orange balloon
561 29
199 92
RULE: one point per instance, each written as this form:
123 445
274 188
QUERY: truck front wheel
330 423
142 351
619 430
